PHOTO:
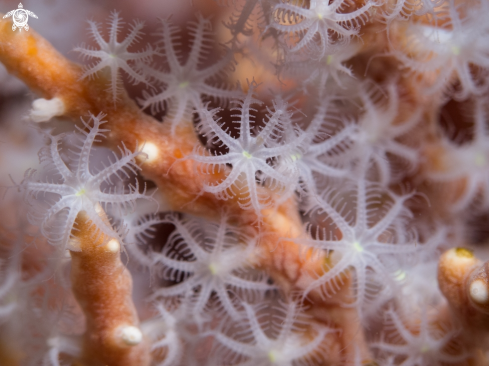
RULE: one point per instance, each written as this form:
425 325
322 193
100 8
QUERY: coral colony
290 182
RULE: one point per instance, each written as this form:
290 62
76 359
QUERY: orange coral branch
103 288
36 62
180 183
463 279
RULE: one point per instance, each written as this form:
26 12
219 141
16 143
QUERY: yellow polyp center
296 156
328 261
213 268
400 275
81 192
425 348
358 246
480 160
373 136
329 60
247 155
183 84
455 50
272 356
464 253
372 11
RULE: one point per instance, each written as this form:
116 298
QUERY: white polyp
113 246
53 342
151 151
74 244
478 292
98 208
131 335
43 109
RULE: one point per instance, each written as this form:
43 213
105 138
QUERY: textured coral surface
244 182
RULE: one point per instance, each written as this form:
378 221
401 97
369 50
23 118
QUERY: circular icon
20 17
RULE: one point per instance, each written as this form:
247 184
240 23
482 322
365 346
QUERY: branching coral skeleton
284 228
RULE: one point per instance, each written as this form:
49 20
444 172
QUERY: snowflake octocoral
220 259
186 83
465 162
74 188
377 138
262 339
449 57
115 54
362 237
423 342
250 155
322 26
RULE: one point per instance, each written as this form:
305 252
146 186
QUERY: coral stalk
45 71
103 287
463 280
